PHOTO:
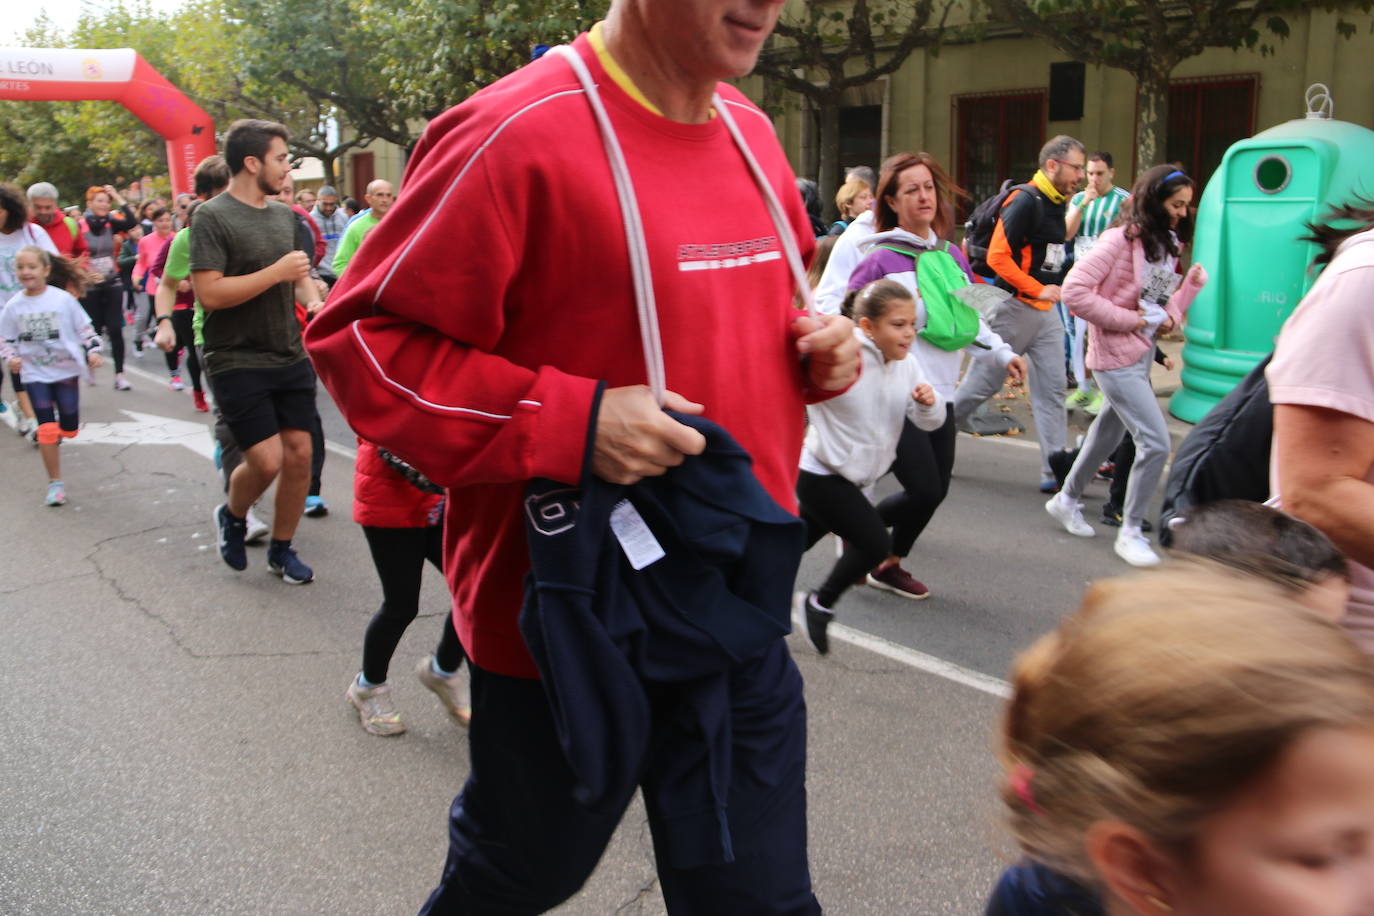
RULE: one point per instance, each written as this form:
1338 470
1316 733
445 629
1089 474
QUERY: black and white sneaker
813 620
229 534
282 560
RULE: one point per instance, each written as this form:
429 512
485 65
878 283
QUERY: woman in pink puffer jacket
1128 289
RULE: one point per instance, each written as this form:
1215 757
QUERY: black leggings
829 503
924 466
399 555
317 462
1124 459
105 306
182 325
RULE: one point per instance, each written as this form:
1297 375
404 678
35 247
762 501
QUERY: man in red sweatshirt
61 229
489 352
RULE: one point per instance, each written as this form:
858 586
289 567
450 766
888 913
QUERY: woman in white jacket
852 441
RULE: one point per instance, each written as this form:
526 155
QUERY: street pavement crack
114 583
646 847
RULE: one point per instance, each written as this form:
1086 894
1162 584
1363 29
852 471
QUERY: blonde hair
43 255
1163 696
848 192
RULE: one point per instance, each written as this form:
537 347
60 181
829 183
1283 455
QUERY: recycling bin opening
1272 174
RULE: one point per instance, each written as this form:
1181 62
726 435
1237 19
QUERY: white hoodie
855 435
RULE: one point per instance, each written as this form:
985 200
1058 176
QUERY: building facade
984 108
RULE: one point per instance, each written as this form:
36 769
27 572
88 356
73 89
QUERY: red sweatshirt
69 244
472 326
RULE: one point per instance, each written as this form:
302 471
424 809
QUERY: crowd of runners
619 502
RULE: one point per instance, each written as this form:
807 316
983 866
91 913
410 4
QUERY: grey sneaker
451 691
376 712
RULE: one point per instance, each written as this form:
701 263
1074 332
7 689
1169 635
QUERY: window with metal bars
999 137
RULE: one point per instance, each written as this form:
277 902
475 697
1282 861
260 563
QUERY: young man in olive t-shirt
248 274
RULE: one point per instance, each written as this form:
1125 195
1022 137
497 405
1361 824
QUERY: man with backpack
1018 237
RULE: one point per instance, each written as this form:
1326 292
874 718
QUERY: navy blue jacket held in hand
635 662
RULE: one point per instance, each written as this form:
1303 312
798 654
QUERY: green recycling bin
1250 220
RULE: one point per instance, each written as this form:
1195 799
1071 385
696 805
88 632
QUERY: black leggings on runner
924 465
317 462
105 306
399 555
830 503
182 326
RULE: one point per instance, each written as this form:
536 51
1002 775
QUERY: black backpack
978 229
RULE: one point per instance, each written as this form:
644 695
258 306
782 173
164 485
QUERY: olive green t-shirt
237 239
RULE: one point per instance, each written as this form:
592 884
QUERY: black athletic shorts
258 403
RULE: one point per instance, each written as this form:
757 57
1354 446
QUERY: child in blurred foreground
1191 741
47 338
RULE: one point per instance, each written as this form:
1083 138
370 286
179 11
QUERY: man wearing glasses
183 204
1027 253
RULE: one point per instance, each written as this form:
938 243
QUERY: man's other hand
636 439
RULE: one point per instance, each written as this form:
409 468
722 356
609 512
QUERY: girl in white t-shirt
47 338
852 441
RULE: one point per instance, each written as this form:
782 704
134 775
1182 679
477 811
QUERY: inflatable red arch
115 75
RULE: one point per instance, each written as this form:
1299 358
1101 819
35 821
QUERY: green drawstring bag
950 323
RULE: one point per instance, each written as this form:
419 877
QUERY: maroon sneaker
898 581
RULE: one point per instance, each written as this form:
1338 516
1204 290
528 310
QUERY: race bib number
1159 285
1083 244
1054 258
103 266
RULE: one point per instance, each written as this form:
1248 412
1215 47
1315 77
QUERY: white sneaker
1069 513
257 528
1134 548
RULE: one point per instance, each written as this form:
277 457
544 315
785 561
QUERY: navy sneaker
229 535
282 560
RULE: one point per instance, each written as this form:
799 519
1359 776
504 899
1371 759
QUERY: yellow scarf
1042 181
616 72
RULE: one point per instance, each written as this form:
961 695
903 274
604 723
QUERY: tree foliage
338 74
432 54
828 50
1149 39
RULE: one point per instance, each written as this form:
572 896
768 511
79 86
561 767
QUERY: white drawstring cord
634 229
645 303
775 211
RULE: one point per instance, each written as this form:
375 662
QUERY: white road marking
920 660
876 644
147 429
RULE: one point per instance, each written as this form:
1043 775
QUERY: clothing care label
640 546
